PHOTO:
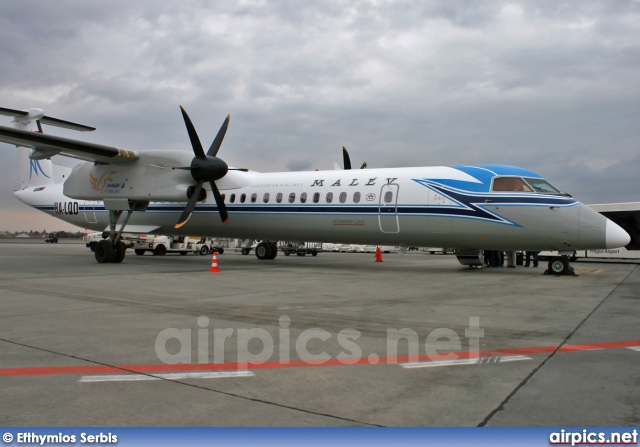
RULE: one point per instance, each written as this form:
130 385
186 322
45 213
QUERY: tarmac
332 340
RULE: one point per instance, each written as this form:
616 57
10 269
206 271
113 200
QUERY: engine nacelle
138 180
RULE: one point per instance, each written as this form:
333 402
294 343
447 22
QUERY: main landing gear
266 250
560 266
112 250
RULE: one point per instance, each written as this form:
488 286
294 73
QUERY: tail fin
38 172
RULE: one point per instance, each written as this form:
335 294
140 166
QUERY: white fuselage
422 206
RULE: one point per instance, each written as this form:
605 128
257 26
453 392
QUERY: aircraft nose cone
615 236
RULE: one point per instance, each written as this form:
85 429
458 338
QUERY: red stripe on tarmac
150 369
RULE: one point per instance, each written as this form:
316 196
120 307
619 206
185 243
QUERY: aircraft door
388 209
90 211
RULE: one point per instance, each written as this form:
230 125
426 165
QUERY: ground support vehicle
161 245
208 245
300 248
51 238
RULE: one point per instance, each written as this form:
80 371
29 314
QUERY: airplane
469 208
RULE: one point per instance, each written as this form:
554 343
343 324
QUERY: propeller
347 160
204 168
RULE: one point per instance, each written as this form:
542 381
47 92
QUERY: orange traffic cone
378 254
214 264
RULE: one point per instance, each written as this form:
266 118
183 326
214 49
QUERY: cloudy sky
549 85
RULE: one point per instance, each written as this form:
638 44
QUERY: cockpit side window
510 184
542 186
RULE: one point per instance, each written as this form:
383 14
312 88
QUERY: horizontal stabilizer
44 119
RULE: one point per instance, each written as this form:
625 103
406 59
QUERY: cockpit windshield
517 184
543 186
510 184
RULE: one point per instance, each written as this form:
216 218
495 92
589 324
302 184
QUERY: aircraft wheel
160 250
263 251
104 251
559 265
274 251
118 253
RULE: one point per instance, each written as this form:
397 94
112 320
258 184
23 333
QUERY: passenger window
243 197
510 184
316 197
388 197
303 197
279 197
254 197
265 198
292 197
232 198
329 197
356 197
343 197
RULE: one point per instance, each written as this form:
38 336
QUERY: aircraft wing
46 146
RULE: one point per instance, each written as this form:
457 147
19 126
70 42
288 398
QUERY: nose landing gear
560 266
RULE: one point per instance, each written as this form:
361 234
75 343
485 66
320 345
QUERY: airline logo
34 167
105 182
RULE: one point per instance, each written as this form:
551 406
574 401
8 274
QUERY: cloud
550 86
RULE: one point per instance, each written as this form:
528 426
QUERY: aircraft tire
263 251
104 252
118 253
559 265
274 251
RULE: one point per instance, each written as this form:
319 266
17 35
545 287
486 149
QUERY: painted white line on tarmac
167 376
634 348
473 361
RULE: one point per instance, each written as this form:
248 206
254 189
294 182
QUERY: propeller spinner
205 168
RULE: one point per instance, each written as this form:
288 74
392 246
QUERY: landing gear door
388 209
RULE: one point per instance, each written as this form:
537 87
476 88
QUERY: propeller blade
364 165
193 135
345 158
191 204
222 208
217 142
